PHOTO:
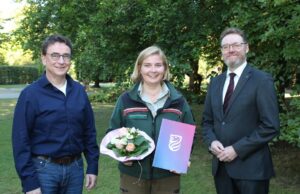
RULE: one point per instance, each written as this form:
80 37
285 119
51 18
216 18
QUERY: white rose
133 130
114 140
123 141
123 131
129 136
119 146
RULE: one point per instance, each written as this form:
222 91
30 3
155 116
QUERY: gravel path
9 93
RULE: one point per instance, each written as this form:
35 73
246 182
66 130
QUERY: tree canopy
108 34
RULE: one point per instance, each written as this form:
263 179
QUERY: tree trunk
283 81
97 83
195 78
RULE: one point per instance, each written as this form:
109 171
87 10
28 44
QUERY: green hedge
17 74
290 122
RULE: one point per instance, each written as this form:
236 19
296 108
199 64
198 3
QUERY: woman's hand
173 171
128 163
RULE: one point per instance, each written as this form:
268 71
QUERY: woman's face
152 70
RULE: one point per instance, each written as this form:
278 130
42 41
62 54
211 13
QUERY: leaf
139 140
110 146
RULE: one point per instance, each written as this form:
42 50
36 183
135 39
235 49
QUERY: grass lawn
197 181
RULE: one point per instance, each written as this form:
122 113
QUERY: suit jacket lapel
220 92
240 85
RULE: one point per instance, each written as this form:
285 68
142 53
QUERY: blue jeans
60 179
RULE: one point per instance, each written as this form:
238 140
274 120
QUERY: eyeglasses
56 57
235 46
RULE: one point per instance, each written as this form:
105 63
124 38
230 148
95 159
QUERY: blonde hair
152 50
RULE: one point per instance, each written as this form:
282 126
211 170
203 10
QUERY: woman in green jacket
151 99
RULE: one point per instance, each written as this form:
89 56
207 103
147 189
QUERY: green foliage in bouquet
130 143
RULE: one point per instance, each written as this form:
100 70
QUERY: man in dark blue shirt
53 125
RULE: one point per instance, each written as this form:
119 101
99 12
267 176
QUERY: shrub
17 75
108 95
290 123
191 97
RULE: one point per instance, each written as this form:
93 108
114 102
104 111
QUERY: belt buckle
41 157
64 160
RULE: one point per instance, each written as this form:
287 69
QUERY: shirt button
223 123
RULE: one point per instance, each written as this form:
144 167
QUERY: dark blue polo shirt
47 122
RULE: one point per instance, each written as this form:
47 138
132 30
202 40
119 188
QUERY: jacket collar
174 94
246 75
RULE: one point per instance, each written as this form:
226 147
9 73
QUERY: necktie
229 91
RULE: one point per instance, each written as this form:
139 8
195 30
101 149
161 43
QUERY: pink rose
130 147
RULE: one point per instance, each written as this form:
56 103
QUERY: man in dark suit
239 119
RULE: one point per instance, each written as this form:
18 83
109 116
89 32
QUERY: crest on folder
175 142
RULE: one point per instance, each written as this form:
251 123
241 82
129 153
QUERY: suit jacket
250 122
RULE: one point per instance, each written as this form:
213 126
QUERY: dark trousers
225 184
132 185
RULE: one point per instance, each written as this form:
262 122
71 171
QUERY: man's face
234 50
57 60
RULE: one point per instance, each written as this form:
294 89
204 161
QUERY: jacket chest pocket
137 116
137 120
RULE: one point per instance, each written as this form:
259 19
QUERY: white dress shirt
238 72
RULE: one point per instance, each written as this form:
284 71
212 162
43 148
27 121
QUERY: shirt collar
44 81
238 71
165 90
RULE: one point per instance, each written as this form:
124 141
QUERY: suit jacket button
223 123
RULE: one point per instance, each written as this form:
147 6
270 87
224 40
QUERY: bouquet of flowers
126 144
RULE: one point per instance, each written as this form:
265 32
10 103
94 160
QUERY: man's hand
35 191
216 147
90 181
227 155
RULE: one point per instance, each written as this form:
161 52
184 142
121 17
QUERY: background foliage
17 75
109 34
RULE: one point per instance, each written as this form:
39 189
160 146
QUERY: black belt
64 160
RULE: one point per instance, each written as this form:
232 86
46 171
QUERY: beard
233 64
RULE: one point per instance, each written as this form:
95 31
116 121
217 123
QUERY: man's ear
43 57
